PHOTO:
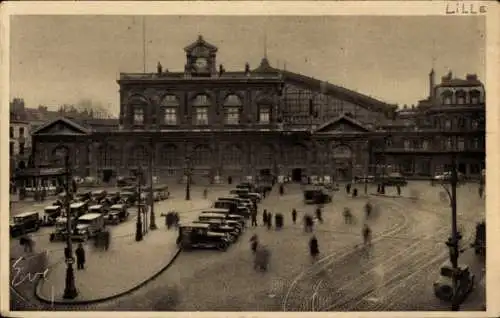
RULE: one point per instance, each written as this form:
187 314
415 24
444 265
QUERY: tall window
139 156
449 143
201 115
11 132
425 144
201 155
169 155
264 114
475 143
201 104
21 131
447 124
474 97
138 116
21 148
232 109
407 145
447 97
233 155
170 106
461 144
460 96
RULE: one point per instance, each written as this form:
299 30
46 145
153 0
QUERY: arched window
137 108
297 155
169 155
475 96
138 156
170 109
460 97
201 104
232 109
233 155
265 155
201 156
107 156
264 108
447 97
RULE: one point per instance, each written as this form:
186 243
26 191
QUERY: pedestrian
107 239
313 247
205 193
254 218
294 216
254 243
264 218
262 256
368 209
481 191
398 188
308 223
348 188
269 220
80 257
347 216
319 214
355 192
230 180
282 189
367 235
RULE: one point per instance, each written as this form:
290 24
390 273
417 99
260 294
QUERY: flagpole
144 44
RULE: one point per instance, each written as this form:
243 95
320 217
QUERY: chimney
221 70
471 77
159 68
431 84
247 69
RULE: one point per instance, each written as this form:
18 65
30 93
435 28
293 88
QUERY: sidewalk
126 265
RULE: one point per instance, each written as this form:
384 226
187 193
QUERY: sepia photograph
246 163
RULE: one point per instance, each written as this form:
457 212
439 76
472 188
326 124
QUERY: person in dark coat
313 247
264 217
481 191
254 243
282 189
294 216
355 192
269 220
348 188
398 188
254 218
107 240
308 223
368 209
319 214
80 257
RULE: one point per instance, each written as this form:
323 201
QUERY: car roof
198 225
52 207
213 214
89 216
98 191
97 206
25 214
77 205
117 206
215 210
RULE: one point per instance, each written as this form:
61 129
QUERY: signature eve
20 277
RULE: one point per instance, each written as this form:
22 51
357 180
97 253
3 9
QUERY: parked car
239 192
88 226
123 181
220 226
98 208
113 197
199 235
99 195
447 175
246 185
128 198
479 244
316 195
394 179
234 220
83 196
161 192
50 214
61 229
78 209
24 223
443 286
117 213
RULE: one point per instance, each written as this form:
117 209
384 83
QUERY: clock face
201 63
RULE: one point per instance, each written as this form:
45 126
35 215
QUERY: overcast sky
63 59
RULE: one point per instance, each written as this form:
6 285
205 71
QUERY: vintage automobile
160 192
117 213
83 196
128 198
393 180
239 192
219 226
99 195
88 226
447 175
50 214
125 181
264 187
78 208
256 197
113 197
364 179
98 208
24 223
236 221
198 235
61 229
246 185
443 286
479 243
230 205
317 195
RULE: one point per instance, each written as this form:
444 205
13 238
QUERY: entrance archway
107 174
297 175
341 158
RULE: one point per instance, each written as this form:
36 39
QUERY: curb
39 283
392 196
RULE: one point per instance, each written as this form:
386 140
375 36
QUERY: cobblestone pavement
396 274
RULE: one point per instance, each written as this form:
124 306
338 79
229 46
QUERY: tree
92 109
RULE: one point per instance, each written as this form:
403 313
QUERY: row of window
12 132
21 150
445 144
232 115
460 122
461 97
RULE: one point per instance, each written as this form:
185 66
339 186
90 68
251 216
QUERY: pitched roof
200 42
351 120
459 82
66 121
328 88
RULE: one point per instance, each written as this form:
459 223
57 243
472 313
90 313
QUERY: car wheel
222 247
52 237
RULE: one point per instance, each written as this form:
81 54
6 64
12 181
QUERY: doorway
107 174
297 175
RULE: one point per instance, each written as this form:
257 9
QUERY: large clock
201 63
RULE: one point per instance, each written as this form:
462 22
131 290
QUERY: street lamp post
188 178
70 291
453 241
152 225
138 226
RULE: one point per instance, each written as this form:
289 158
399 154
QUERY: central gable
342 124
61 126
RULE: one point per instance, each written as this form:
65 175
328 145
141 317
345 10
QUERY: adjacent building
266 121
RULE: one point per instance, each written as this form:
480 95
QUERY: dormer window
447 97
170 109
264 114
138 116
474 97
460 96
232 110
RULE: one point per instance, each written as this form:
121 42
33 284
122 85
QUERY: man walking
294 216
313 247
264 217
254 218
80 257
